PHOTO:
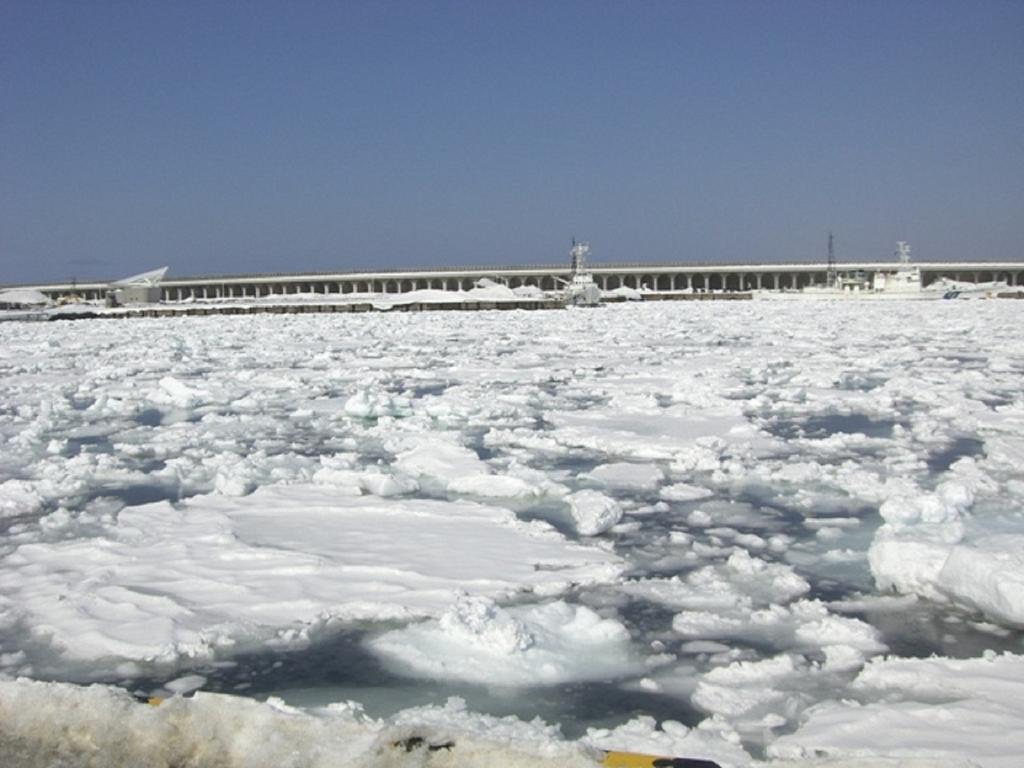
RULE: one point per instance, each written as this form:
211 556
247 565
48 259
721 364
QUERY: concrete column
759 280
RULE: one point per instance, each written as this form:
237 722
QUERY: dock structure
172 309
655 278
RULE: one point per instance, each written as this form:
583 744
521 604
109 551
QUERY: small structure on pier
143 288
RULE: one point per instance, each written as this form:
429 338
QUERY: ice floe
215 572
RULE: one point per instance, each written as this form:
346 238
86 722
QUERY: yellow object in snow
637 760
628 760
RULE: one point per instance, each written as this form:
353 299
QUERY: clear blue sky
284 136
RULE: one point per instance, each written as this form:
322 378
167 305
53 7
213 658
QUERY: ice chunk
493 486
372 403
441 461
738 688
625 476
593 512
948 711
684 492
924 549
987 574
806 624
175 392
185 684
479 642
18 497
740 583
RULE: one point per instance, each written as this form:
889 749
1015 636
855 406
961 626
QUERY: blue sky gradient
227 137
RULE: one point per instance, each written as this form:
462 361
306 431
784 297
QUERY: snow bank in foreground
955 712
479 642
217 572
102 726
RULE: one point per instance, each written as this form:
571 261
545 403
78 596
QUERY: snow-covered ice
476 640
783 531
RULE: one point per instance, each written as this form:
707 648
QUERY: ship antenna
903 251
830 279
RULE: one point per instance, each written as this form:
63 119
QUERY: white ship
901 281
581 290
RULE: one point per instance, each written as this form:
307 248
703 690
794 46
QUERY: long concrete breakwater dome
681 277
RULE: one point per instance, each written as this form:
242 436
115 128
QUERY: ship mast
578 256
831 278
903 252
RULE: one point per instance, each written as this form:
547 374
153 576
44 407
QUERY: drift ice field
787 533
